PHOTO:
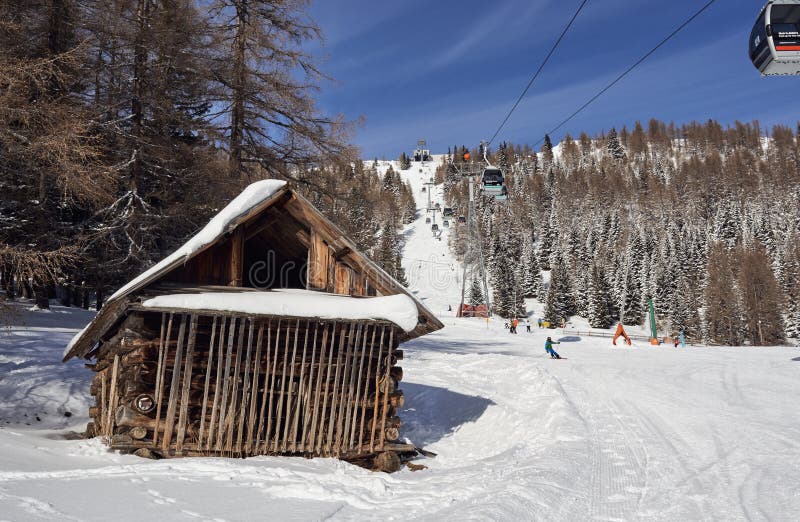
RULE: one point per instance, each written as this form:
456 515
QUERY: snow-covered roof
250 197
250 204
398 309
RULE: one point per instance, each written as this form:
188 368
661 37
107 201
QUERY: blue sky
449 70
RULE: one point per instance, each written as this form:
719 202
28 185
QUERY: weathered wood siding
227 384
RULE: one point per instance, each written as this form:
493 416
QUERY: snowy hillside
608 433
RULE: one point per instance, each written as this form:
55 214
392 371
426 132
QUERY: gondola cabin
775 39
493 183
267 333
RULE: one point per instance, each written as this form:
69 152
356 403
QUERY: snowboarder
548 346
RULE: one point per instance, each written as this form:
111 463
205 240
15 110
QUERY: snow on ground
608 433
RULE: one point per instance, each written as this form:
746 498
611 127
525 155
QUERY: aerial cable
629 69
536 75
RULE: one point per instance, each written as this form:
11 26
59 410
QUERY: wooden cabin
267 333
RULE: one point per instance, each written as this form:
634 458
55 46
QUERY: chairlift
427 221
775 39
434 227
448 212
446 224
437 206
462 220
423 190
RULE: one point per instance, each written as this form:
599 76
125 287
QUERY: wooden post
236 269
357 399
377 392
209 364
386 391
366 389
325 419
162 349
187 381
261 417
243 404
279 421
225 383
230 422
335 399
272 387
254 391
300 389
173 387
113 397
217 383
344 417
310 402
323 347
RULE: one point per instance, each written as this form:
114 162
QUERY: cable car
446 224
434 228
423 190
427 221
493 183
775 39
448 212
462 220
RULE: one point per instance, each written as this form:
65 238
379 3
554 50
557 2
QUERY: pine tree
761 299
476 293
532 274
559 303
613 145
722 309
599 297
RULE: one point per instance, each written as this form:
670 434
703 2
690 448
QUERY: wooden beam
187 381
173 387
236 267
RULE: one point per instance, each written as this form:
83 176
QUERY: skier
540 322
548 346
528 325
676 342
514 324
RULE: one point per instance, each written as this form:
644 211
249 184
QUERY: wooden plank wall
238 386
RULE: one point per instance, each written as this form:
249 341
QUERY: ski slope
608 433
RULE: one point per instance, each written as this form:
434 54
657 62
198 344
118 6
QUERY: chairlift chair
427 221
448 212
446 224
775 39
462 220
434 227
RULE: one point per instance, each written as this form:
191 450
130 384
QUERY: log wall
180 384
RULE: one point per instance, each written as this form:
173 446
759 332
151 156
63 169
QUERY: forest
700 218
126 124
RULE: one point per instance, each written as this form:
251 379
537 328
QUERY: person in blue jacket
548 346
